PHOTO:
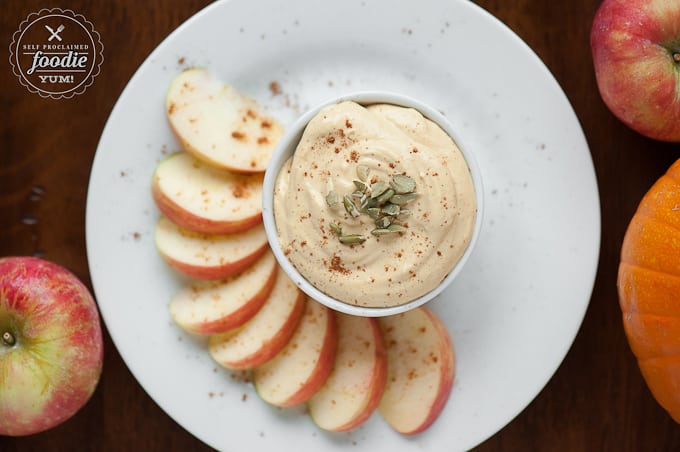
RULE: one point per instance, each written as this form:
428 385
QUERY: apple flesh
263 336
212 307
51 347
203 199
208 256
219 125
420 370
356 383
636 54
298 371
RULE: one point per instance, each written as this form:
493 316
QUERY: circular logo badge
56 53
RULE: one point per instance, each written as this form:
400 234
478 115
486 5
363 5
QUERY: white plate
515 309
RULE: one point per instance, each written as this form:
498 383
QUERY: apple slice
208 256
263 336
301 368
219 125
420 370
211 307
203 199
356 383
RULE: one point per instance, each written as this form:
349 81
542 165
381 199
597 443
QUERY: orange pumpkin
649 289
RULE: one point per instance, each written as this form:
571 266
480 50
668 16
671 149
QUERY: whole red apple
636 54
51 345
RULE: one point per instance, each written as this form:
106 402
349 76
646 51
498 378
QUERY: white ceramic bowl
285 150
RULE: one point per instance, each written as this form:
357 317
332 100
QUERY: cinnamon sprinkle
336 265
275 88
239 191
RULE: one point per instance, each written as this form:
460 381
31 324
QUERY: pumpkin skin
649 289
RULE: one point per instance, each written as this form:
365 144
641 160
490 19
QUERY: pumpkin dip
380 250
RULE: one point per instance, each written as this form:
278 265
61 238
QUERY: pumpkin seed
336 228
403 184
371 203
363 201
332 198
378 188
360 186
382 199
401 199
351 239
350 207
373 212
362 172
394 227
391 209
383 222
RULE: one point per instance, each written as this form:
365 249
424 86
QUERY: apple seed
8 339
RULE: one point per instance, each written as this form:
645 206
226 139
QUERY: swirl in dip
346 142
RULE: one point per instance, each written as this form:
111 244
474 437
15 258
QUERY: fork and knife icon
55 34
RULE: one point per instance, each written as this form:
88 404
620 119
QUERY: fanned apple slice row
203 199
420 370
212 307
356 383
263 336
208 256
302 367
219 125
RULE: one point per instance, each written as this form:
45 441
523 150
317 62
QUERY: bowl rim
286 148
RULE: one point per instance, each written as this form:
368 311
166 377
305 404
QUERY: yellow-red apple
203 199
298 371
212 307
209 256
636 53
51 345
219 125
356 383
420 370
264 335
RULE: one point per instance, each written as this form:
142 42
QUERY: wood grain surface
596 400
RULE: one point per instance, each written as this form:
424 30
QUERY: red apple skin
274 344
446 368
633 44
232 319
217 272
56 362
195 223
377 382
448 371
239 317
248 155
373 386
225 268
323 367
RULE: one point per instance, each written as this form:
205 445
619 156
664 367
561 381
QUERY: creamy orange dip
378 142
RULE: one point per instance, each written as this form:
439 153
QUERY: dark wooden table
597 399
